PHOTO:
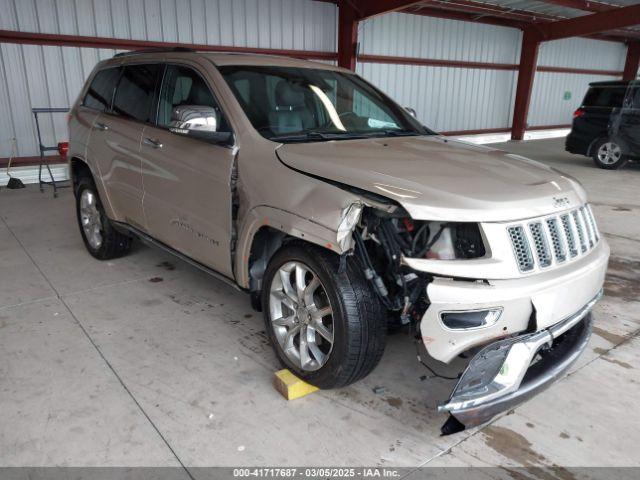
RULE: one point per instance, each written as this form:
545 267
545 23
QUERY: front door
187 192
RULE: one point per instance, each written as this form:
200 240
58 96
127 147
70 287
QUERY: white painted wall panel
404 35
458 99
548 106
48 76
447 99
583 53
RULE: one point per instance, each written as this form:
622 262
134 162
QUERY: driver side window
187 103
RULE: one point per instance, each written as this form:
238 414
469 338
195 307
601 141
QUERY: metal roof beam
372 8
466 16
590 24
347 34
583 5
473 11
482 8
632 62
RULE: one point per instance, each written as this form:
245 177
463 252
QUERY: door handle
152 143
101 126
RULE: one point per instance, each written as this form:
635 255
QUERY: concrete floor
145 361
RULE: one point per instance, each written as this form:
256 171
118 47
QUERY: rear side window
605 96
100 92
135 92
634 97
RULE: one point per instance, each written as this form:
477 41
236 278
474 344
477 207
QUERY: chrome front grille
559 250
521 248
540 243
555 239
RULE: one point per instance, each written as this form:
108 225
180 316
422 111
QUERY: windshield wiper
399 133
315 135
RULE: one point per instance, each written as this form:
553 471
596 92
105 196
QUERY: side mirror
200 122
411 111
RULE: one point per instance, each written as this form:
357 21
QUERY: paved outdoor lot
147 361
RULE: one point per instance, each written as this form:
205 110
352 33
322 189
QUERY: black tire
596 155
113 243
358 322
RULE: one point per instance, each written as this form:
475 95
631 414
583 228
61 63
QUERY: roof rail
154 50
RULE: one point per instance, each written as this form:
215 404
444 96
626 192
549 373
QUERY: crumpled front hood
435 178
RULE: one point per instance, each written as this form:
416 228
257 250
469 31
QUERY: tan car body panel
305 209
283 187
116 152
435 178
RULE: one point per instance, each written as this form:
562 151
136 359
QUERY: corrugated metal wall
445 99
548 103
42 76
399 34
468 99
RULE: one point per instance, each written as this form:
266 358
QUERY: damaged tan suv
341 215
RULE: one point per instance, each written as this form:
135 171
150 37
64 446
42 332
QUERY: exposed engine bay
382 239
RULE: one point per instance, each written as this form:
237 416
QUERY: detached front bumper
509 371
547 297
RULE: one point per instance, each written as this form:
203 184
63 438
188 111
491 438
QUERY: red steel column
347 35
526 72
633 61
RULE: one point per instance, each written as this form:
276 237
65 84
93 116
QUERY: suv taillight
578 113
63 149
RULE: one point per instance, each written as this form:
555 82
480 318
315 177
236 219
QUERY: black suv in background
606 127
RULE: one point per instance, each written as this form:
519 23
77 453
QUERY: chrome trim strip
539 377
481 408
564 325
143 237
441 312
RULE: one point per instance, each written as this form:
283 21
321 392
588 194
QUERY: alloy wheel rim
609 153
301 316
90 219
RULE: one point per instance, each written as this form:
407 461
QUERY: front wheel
608 154
326 326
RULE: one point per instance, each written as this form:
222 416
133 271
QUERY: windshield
289 104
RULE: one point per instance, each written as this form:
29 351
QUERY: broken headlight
438 240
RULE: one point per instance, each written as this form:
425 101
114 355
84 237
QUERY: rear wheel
608 154
325 326
99 236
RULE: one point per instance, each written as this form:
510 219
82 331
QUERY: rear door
97 99
187 199
599 104
116 140
627 125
